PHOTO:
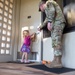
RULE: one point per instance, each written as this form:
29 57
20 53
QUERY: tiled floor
21 69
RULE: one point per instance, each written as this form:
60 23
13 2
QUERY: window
6 10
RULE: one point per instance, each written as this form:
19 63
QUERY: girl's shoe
22 61
26 61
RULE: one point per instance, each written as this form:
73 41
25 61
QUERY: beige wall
16 27
30 8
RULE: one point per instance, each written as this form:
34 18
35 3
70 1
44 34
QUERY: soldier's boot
56 63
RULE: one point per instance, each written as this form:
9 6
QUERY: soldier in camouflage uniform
55 23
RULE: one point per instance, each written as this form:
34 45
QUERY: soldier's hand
38 29
49 26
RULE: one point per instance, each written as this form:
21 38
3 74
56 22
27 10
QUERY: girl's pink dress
26 45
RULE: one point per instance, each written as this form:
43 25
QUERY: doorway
6 16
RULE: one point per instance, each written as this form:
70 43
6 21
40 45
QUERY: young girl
25 49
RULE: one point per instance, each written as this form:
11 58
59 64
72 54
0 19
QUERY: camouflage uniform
55 16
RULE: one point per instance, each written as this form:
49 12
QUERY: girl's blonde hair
25 31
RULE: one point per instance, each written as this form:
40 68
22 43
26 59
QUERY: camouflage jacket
53 14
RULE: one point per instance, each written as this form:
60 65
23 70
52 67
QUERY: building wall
68 50
8 40
30 8
16 26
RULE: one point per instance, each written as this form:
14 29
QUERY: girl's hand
49 26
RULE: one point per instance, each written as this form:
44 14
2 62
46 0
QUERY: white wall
68 58
47 49
30 8
68 50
